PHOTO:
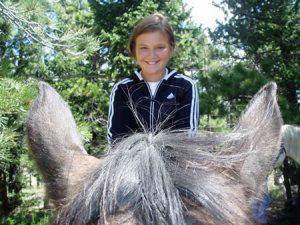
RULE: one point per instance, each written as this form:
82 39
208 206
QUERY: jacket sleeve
119 115
187 115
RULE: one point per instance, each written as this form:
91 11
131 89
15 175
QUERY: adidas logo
170 96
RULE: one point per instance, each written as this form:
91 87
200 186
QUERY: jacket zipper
152 98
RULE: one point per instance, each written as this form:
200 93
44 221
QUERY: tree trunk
14 185
291 94
287 183
4 204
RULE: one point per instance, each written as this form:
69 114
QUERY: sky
204 12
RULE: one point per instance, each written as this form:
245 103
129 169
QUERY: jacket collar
167 75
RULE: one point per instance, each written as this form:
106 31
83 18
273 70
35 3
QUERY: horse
290 149
291 141
148 178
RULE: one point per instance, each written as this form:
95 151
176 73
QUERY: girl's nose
152 53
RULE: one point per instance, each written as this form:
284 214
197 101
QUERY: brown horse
167 178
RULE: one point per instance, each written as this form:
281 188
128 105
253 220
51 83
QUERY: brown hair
154 22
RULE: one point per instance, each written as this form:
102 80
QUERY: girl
154 97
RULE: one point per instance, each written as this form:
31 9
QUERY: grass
40 217
277 193
31 211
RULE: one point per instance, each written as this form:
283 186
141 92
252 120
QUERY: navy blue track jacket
175 105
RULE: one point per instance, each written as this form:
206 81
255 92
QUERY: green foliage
16 99
89 104
277 192
213 123
226 90
73 25
44 22
35 217
7 142
31 211
267 32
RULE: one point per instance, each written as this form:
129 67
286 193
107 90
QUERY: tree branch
40 33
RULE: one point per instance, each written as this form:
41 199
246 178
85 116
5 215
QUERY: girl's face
152 53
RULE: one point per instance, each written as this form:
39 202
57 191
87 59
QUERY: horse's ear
260 127
55 143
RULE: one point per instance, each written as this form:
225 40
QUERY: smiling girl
154 97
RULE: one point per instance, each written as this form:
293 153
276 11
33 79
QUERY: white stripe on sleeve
111 105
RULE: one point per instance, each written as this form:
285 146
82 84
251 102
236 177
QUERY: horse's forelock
149 180
134 178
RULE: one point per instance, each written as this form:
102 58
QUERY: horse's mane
155 179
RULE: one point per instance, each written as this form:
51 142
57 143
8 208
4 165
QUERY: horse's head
169 178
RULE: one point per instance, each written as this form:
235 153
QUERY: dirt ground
279 214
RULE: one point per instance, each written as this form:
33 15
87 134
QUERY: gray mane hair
167 178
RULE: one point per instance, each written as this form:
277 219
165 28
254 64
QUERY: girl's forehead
151 37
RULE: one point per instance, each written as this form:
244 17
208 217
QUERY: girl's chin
153 76
152 69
